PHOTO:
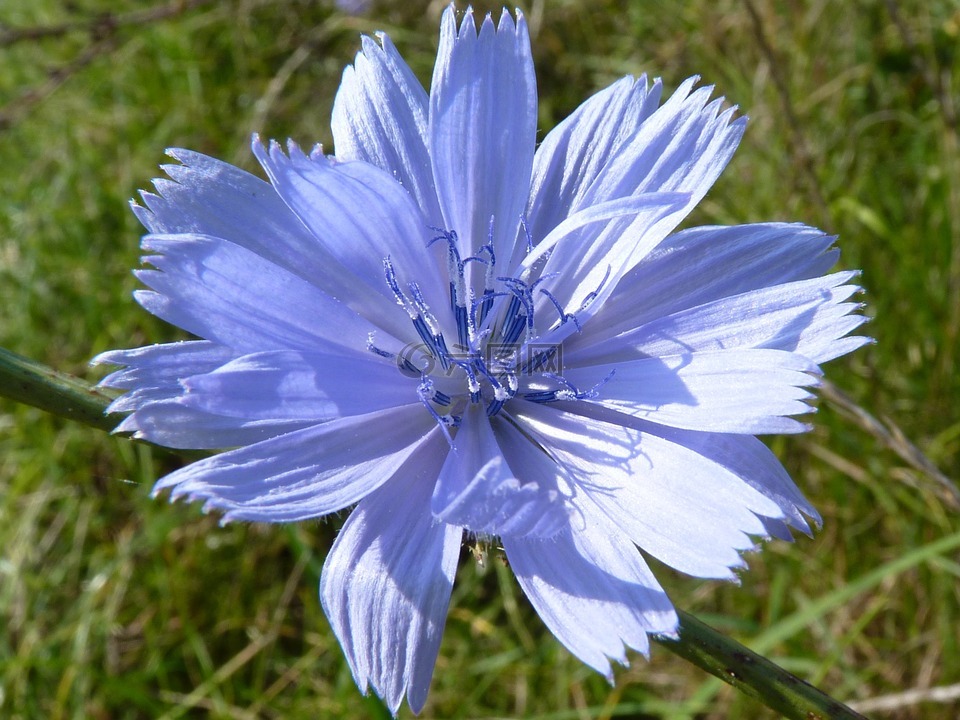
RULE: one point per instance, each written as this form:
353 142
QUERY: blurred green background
113 605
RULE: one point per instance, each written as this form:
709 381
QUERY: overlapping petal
751 461
172 424
676 504
807 317
681 147
380 220
291 385
753 391
206 196
380 116
154 372
745 456
154 376
574 153
209 197
593 590
479 488
386 584
224 293
311 472
725 260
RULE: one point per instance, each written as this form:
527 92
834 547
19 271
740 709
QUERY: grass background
113 605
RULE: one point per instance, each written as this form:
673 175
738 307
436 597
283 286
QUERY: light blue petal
361 215
156 370
154 378
681 507
224 293
725 261
479 489
574 153
777 529
168 422
483 124
681 147
808 317
593 590
730 391
290 385
750 460
649 205
380 116
386 585
206 196
209 197
310 472
583 266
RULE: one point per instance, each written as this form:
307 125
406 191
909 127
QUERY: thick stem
32 383
753 674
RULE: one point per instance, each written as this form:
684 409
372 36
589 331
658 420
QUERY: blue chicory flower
461 333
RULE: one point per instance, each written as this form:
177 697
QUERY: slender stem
35 384
753 674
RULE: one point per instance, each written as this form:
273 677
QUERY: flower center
495 357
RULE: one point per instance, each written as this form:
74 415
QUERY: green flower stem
753 674
30 382
65 396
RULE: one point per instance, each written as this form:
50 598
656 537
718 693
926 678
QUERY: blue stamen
454 264
569 391
444 356
526 233
593 295
463 325
391 277
514 322
486 302
512 332
428 329
424 332
448 236
488 294
564 316
377 351
425 392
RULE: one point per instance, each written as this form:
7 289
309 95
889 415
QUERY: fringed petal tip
274 150
505 24
109 357
509 22
181 155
